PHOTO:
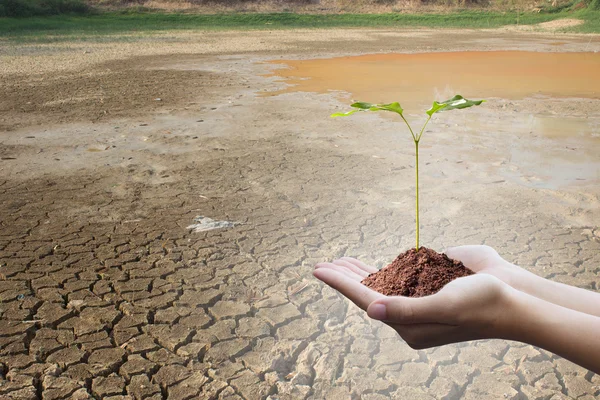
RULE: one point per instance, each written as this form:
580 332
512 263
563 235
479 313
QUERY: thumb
407 310
464 253
474 257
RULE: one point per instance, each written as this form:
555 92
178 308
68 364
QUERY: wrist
528 317
566 332
521 316
511 310
523 280
501 320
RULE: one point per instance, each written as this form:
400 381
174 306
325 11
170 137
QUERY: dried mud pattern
416 274
105 295
147 310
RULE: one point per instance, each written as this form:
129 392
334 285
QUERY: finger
341 269
409 310
358 293
464 253
473 257
352 267
369 269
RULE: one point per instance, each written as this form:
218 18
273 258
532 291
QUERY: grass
37 28
30 8
591 24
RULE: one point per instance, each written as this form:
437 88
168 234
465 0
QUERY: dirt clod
416 274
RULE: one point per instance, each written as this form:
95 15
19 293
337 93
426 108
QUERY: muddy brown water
500 76
416 79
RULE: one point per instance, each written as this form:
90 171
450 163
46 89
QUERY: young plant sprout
455 103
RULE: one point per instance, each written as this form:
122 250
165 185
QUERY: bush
30 8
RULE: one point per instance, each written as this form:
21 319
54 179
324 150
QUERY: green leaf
363 106
435 108
344 114
394 107
458 102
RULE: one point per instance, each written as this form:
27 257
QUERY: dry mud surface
105 292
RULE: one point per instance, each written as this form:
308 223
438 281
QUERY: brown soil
121 88
416 274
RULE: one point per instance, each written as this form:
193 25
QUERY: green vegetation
115 23
455 103
591 18
29 8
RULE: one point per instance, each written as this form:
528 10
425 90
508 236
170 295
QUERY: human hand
469 308
480 306
485 260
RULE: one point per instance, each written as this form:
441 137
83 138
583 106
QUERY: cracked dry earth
107 294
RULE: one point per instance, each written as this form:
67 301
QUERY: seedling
456 103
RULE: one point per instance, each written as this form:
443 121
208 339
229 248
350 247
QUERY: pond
416 79
543 106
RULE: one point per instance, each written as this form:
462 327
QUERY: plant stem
409 128
423 129
417 188
416 140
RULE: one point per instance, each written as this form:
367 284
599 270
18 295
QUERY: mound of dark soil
416 274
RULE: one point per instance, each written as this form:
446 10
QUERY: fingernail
377 311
